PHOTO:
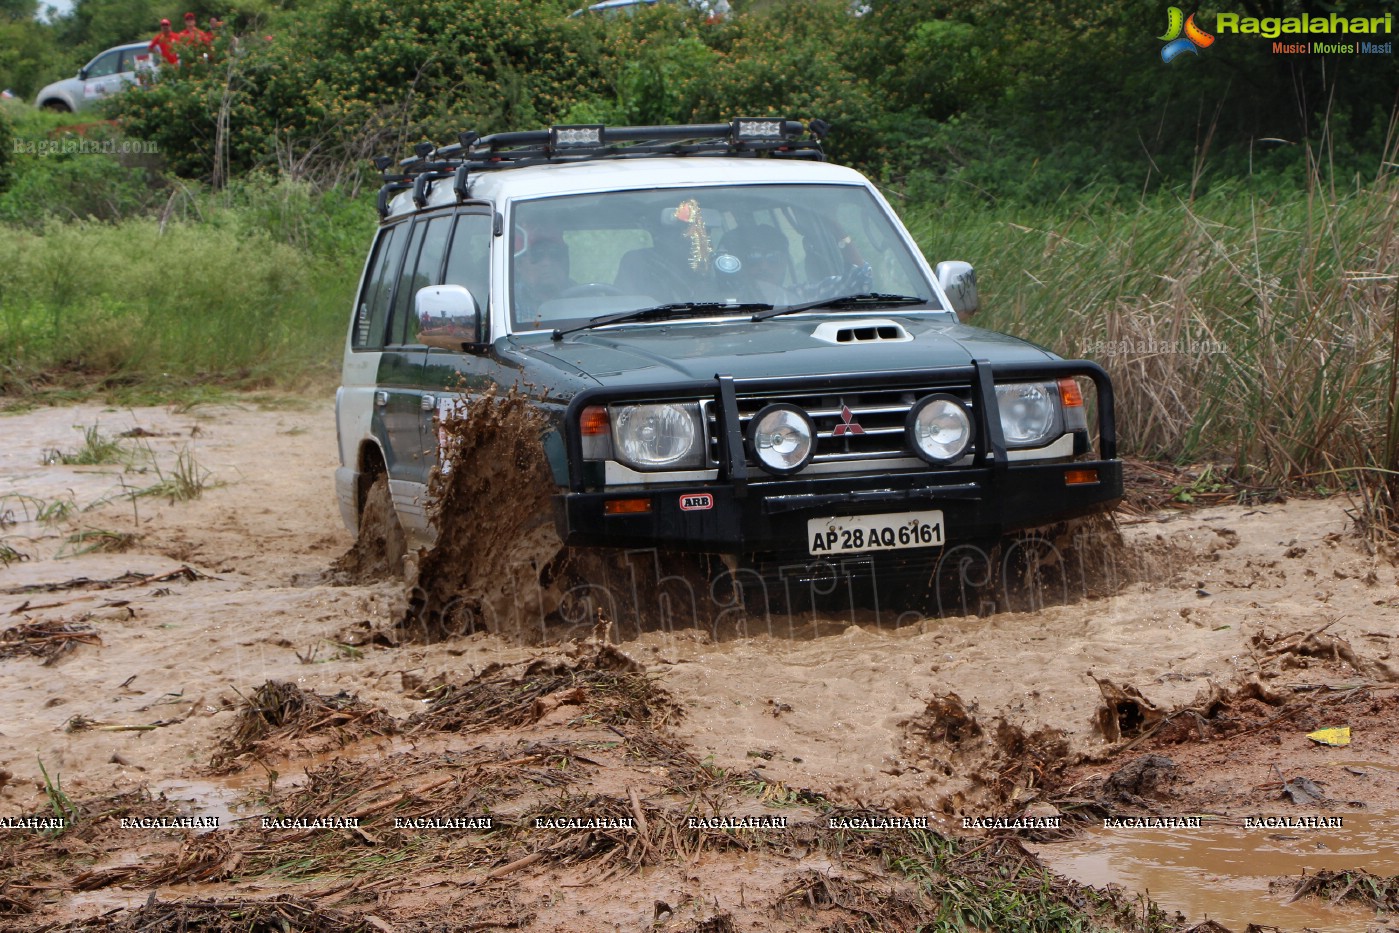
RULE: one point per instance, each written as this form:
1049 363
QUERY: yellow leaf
1337 735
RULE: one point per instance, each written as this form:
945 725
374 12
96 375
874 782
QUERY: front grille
880 413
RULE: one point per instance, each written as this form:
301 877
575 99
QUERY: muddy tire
379 527
380 545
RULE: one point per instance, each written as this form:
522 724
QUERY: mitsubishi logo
848 424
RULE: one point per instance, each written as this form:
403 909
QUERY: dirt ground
167 657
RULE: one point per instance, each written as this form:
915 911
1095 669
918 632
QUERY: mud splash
379 547
496 549
1007 764
497 564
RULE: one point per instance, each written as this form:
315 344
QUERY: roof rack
472 153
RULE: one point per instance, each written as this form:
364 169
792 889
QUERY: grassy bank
246 288
1245 327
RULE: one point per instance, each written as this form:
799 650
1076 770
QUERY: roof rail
471 153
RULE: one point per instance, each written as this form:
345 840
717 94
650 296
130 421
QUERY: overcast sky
60 7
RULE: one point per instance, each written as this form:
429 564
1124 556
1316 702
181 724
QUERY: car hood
694 350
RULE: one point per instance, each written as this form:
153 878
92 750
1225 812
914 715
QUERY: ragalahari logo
1194 37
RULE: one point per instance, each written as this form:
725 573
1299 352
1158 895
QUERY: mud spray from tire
498 564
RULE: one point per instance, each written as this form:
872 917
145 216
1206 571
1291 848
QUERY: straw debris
233 915
605 686
281 713
45 639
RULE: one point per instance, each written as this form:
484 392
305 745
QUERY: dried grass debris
1352 886
607 686
281 713
49 640
214 915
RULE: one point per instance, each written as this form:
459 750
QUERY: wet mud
1171 664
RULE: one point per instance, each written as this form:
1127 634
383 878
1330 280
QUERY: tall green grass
1245 326
245 288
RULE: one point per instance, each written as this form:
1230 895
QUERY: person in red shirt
192 34
165 42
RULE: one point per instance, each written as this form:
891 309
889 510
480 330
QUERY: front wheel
380 545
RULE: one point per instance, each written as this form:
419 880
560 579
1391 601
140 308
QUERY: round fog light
939 429
782 438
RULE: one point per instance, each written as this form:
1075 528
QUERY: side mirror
448 316
82 73
958 280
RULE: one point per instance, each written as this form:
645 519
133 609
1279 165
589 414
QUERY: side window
103 65
373 309
132 59
469 262
422 268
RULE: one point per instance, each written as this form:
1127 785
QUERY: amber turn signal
1069 393
627 506
593 421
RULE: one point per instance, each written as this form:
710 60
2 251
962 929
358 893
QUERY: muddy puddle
1233 875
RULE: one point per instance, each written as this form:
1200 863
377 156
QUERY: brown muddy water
1233 875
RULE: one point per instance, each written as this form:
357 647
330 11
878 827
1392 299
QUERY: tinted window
103 65
373 308
469 262
423 268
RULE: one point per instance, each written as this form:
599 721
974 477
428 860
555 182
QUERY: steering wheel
591 289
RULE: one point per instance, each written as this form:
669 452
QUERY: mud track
213 669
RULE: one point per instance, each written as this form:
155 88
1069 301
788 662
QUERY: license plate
889 532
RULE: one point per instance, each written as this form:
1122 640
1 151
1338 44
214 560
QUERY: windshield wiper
866 298
674 309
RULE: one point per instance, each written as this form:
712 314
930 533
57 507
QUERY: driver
541 275
758 261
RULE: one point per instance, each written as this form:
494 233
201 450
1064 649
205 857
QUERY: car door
102 76
453 376
359 403
401 400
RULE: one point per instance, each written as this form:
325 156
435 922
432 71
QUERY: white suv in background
112 71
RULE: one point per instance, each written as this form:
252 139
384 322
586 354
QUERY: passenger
192 35
165 42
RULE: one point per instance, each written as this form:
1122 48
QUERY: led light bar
747 128
582 136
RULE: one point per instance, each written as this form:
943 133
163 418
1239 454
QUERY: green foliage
92 26
74 186
7 137
28 59
352 77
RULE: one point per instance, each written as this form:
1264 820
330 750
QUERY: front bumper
748 511
976 504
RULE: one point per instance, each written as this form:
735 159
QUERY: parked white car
110 72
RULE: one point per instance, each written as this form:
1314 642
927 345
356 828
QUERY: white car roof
500 185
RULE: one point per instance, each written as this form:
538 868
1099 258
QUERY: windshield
579 257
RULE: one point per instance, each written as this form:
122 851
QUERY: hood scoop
872 330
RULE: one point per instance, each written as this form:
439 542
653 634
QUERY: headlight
1029 413
782 438
657 437
939 428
